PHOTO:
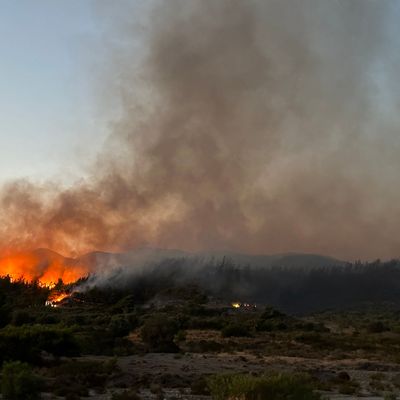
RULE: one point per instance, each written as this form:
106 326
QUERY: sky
253 126
48 114
46 98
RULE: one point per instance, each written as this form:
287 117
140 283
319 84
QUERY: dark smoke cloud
255 126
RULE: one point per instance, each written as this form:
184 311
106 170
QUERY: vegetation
26 343
74 378
236 330
158 333
18 382
180 313
125 395
271 387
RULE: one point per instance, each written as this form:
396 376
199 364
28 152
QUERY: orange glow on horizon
46 267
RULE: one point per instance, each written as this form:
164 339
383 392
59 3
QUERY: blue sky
46 104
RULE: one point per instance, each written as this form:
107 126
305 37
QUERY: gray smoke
255 126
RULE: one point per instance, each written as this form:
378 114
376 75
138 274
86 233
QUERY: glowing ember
247 306
56 298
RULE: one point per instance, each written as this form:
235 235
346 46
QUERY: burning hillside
117 269
42 265
56 298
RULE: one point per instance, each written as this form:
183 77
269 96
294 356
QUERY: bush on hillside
158 333
236 330
271 387
18 382
26 343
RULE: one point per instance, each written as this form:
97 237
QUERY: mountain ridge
102 259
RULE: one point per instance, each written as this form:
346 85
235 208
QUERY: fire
246 306
56 298
43 265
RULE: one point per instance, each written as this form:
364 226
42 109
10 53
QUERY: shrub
180 336
389 396
188 293
126 395
269 326
205 346
123 347
271 387
126 304
311 327
378 376
349 387
205 323
4 315
377 327
158 333
73 378
271 313
376 386
18 382
236 330
21 317
26 343
343 376
199 387
396 381
71 390
47 319
119 326
72 396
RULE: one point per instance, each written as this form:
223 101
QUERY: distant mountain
40 264
50 256
102 260
293 260
142 256
44 262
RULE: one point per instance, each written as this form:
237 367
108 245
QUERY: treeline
294 290
18 294
308 290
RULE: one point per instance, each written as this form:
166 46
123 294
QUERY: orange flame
43 265
55 298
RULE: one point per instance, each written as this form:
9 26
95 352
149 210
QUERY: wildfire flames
56 298
42 265
247 306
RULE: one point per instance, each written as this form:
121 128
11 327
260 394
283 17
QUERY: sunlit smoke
254 126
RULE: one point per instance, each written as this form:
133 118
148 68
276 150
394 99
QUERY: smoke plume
255 126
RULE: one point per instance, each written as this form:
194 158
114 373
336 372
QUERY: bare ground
174 372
